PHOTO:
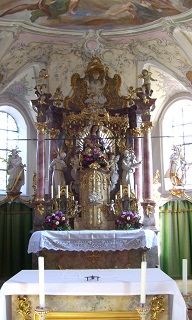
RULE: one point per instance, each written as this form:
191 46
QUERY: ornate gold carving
34 186
136 132
156 178
41 127
146 126
148 210
53 132
157 306
41 209
24 307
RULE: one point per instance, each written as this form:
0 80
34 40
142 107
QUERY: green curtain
175 237
15 226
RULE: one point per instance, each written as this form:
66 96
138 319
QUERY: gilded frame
100 315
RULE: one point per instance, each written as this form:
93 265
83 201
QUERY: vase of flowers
94 156
57 221
128 220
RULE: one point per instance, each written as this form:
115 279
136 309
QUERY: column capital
41 127
146 126
136 132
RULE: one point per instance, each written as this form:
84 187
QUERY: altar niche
94 196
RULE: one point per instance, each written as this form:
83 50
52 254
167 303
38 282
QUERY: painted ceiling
62 36
83 14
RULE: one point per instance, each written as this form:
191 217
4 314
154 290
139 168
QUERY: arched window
176 131
13 134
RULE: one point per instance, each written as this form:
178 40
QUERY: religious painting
94 14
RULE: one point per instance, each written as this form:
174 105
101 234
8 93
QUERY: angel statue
113 167
77 208
112 207
146 86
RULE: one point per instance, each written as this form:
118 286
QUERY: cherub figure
112 207
76 209
147 78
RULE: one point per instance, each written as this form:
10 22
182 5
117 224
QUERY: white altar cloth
92 240
112 282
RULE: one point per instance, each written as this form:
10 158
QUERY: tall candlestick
59 194
128 190
121 190
184 276
67 192
41 282
143 282
51 191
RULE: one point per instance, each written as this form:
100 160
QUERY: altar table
92 240
111 282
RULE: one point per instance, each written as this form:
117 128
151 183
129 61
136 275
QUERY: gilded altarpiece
94 197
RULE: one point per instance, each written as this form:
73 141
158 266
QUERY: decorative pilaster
40 161
144 108
148 203
138 153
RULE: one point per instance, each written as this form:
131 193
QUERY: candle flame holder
143 311
41 312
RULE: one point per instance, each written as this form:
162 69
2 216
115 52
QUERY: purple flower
56 221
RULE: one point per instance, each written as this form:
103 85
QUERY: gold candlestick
143 311
41 312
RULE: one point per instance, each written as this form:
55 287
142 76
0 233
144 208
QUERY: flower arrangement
128 220
94 156
57 221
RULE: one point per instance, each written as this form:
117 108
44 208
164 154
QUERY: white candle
59 194
128 190
51 191
121 191
143 282
67 192
41 282
184 276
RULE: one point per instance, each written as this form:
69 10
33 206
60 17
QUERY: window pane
12 124
3 176
177 124
9 136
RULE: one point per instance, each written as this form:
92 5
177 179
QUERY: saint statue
15 169
57 168
129 163
177 168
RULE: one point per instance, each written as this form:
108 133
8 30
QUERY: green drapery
175 237
15 225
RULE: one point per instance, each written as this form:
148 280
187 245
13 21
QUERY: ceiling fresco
95 14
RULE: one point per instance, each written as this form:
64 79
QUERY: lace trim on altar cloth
92 240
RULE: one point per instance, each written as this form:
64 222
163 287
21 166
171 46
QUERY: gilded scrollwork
24 307
157 306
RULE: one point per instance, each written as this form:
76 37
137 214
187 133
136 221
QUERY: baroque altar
97 164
